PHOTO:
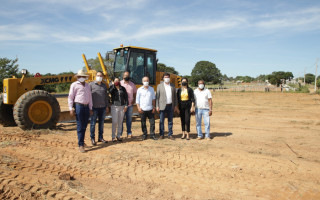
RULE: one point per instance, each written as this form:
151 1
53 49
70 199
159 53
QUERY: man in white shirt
203 99
146 100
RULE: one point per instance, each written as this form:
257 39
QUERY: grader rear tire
36 109
6 113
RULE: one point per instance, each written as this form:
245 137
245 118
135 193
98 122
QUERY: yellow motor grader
23 105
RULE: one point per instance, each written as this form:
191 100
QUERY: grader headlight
24 71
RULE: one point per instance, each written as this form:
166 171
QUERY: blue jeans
82 117
206 119
99 113
169 111
128 116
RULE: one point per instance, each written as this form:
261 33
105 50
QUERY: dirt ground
265 146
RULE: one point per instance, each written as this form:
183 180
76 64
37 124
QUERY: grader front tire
6 113
36 109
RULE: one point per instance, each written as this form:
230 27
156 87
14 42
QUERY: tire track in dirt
203 170
29 139
25 182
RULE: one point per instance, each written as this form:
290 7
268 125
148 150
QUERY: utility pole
315 79
304 79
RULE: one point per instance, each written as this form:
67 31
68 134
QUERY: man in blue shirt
146 100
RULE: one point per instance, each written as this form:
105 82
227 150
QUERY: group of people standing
92 99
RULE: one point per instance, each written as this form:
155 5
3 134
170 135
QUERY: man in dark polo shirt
100 101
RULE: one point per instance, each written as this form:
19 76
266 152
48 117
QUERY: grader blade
66 117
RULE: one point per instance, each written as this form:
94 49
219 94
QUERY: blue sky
242 37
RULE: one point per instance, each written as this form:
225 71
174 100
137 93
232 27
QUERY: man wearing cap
80 105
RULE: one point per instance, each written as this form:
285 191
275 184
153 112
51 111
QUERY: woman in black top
119 98
186 106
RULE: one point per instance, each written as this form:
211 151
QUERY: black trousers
185 115
150 116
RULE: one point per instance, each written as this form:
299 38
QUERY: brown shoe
161 137
129 136
81 149
199 138
170 137
207 138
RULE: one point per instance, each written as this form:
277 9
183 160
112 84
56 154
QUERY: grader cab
23 105
140 62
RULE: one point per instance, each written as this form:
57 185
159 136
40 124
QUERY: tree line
204 70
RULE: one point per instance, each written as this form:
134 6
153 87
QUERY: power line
315 79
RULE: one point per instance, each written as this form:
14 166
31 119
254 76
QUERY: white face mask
146 84
166 80
82 79
98 79
201 86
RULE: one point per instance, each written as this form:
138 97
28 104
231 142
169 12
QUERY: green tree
94 63
63 87
288 76
8 68
277 78
246 79
56 88
318 84
49 87
310 78
206 71
164 68
225 77
187 76
261 78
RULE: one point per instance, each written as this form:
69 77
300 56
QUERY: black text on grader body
21 104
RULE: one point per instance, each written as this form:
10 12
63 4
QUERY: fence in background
246 88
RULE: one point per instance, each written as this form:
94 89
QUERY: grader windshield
139 61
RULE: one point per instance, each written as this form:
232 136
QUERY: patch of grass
7 143
41 131
305 127
302 122
217 105
303 89
7 159
299 137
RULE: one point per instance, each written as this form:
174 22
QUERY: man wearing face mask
166 101
203 99
80 98
100 101
131 91
146 106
